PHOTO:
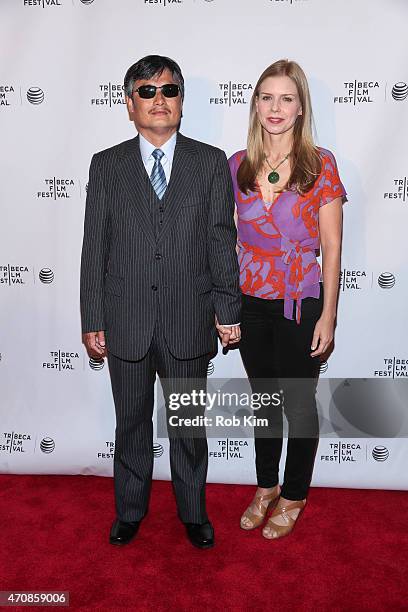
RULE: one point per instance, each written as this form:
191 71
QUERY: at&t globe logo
96 363
47 445
158 450
380 453
46 275
399 91
35 95
386 280
323 367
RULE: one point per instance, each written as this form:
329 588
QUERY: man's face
158 115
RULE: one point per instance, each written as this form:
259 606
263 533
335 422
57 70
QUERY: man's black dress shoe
122 533
201 536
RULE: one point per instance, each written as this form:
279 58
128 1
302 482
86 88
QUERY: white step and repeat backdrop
61 99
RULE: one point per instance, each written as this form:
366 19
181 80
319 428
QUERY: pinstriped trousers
133 393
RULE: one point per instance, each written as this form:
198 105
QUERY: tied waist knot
294 253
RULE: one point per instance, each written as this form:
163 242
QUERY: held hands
228 335
322 336
95 343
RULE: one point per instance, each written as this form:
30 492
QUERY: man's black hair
150 66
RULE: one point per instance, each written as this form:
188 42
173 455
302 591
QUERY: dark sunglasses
169 90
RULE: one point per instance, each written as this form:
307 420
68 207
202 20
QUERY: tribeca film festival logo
342 452
398 191
61 361
108 95
230 449
109 450
353 280
57 188
42 3
393 367
14 275
358 92
14 442
231 94
288 1
11 95
7 95
163 3
351 452
11 274
363 92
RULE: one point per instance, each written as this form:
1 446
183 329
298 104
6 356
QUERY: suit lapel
136 183
184 169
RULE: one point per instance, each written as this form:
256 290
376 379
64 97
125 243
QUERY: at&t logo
47 445
158 450
380 453
96 363
386 280
400 91
35 95
46 276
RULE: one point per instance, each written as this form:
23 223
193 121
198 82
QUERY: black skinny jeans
276 355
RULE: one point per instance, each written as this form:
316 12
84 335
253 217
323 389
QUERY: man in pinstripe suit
159 276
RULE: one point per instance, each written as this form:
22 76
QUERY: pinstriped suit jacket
186 266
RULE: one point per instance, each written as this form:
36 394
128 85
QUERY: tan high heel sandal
263 503
272 530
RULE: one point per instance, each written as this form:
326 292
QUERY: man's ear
130 107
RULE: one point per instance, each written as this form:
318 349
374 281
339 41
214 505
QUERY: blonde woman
289 208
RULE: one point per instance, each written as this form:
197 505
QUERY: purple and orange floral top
278 243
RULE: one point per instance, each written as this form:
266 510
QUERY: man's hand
95 343
228 335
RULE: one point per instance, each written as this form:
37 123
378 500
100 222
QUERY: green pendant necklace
273 177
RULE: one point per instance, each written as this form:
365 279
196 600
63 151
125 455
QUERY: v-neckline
268 205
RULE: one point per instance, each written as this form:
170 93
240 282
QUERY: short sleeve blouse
278 243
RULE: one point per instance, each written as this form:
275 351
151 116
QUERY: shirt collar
146 148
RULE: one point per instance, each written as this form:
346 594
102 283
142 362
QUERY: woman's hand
322 336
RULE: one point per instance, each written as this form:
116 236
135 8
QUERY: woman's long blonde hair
305 158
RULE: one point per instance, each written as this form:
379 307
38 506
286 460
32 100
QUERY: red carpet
348 551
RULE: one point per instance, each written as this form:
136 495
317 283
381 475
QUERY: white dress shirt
146 150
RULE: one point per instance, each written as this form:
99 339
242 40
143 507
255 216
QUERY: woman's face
278 105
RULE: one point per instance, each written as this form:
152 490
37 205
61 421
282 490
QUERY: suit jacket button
154 287
158 256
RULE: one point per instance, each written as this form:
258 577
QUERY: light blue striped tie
157 177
